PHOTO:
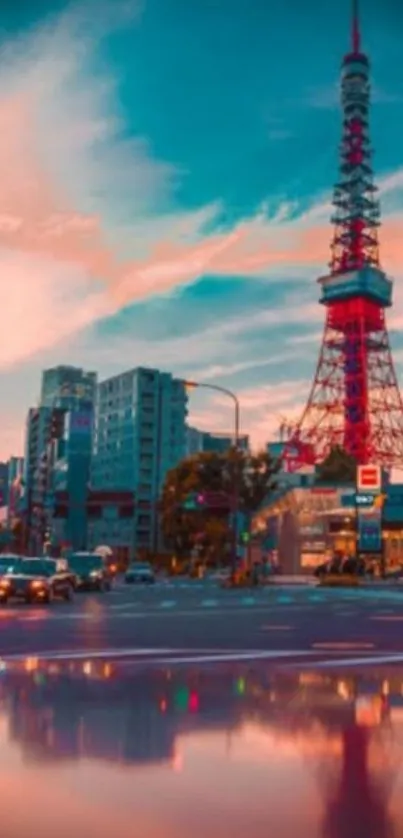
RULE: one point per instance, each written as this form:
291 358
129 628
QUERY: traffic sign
369 479
358 499
364 500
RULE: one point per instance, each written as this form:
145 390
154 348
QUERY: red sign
369 478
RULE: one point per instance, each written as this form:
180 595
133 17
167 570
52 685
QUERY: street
182 617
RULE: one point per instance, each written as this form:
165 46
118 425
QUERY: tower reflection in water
343 727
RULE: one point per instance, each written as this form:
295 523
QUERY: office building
140 434
69 474
71 388
198 441
37 438
58 451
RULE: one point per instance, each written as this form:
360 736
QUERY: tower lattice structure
355 400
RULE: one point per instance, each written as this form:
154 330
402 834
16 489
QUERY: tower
355 400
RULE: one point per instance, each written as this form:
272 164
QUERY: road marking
248 600
277 628
388 618
209 603
167 603
370 660
284 600
316 598
77 615
340 646
237 656
91 654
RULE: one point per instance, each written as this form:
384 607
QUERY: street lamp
190 385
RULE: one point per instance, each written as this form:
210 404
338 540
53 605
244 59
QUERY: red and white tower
355 400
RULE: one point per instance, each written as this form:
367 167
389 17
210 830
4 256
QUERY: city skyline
166 188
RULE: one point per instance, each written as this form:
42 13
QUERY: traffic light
245 537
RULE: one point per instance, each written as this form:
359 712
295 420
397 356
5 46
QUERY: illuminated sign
370 532
369 479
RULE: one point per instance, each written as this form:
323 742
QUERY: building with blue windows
140 434
70 388
58 449
203 441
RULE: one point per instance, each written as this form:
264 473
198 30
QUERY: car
91 572
35 580
140 572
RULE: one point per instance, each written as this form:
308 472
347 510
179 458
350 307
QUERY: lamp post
235 493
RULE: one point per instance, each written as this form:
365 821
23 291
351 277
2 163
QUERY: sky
166 173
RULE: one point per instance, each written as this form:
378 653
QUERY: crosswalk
122 604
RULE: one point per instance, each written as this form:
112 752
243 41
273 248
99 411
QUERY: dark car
140 572
91 572
35 580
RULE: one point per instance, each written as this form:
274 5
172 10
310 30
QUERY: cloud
71 181
263 409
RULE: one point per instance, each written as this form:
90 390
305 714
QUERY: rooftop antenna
355 32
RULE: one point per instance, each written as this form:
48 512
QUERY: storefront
307 524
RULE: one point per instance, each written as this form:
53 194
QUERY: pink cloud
79 265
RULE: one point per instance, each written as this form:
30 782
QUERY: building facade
204 441
58 455
71 388
4 481
140 433
69 473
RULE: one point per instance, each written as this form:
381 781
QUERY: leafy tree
243 479
338 467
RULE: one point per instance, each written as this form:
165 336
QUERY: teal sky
187 151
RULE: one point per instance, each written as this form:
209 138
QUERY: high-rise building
69 387
198 441
37 437
69 475
140 434
59 442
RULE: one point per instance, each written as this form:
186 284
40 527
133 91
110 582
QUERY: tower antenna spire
355 30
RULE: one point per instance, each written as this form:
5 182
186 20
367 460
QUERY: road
201 617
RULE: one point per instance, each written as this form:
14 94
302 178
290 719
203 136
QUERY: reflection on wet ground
241 750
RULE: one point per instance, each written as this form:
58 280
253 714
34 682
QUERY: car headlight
95 574
5 583
37 584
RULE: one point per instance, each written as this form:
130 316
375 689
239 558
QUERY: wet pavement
118 747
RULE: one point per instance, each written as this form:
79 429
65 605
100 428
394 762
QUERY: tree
241 479
338 467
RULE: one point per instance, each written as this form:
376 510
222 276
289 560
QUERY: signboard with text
81 422
370 532
369 479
